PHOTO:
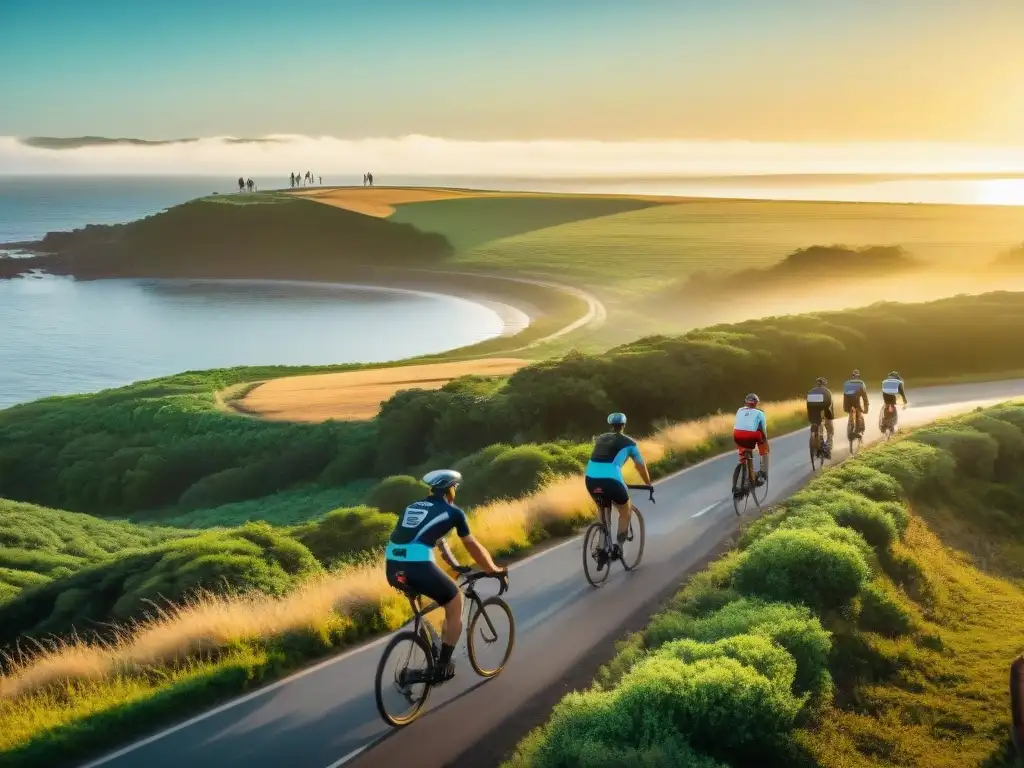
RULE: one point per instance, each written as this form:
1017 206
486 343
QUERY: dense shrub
345 532
255 556
868 518
802 566
856 477
975 452
758 652
393 494
883 612
914 465
506 472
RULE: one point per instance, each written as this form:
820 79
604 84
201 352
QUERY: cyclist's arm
762 422
480 554
864 396
446 554
641 466
903 393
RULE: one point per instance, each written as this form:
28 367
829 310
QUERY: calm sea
58 336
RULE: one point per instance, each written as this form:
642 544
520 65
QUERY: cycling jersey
819 404
610 452
855 393
891 388
421 526
750 420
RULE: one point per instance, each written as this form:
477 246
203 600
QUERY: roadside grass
69 697
674 240
844 631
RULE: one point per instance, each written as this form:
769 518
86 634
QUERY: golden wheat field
673 240
358 394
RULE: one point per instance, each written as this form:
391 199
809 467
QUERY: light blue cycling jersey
611 450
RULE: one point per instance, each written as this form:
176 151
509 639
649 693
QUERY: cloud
424 155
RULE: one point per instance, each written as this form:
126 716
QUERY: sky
818 71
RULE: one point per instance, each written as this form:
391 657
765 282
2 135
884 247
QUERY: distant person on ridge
241 184
604 473
855 395
821 410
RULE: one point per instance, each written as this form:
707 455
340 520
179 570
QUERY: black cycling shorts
611 490
819 415
422 578
850 402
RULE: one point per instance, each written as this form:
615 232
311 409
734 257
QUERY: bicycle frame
747 458
473 600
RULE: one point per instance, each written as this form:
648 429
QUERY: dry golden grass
381 201
213 622
688 435
378 201
358 394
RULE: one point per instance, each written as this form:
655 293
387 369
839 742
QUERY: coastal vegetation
162 448
863 622
323 589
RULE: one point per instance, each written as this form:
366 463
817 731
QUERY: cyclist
891 387
751 429
604 472
410 565
855 395
820 409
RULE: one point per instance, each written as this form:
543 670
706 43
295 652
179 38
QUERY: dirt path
357 394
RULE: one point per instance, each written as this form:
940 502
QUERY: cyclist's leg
598 490
427 579
618 494
830 430
763 450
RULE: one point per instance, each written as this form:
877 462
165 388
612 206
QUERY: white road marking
355 753
706 509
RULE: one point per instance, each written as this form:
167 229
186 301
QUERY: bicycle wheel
739 485
594 548
851 434
486 629
759 492
633 547
410 680
817 459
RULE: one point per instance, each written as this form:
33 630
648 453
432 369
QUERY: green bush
975 452
253 557
346 532
594 730
506 472
802 566
866 517
855 477
756 651
393 494
791 626
914 465
883 612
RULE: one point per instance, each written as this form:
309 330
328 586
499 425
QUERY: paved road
325 717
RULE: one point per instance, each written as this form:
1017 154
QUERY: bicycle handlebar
649 488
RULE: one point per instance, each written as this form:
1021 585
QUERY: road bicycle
855 437
413 680
599 551
888 419
744 483
819 446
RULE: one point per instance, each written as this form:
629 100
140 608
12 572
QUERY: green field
723 236
473 221
867 622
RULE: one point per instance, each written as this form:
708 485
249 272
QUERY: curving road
325 716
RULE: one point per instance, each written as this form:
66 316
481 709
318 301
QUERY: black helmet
442 479
894 374
617 419
751 399
821 381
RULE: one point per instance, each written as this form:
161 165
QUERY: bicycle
888 419
424 638
744 483
818 446
598 550
855 437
